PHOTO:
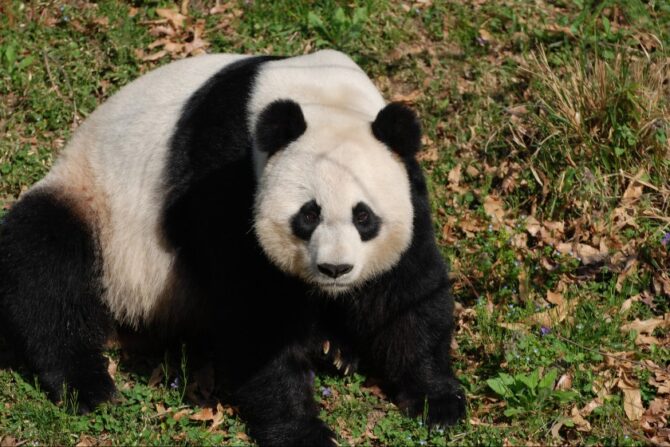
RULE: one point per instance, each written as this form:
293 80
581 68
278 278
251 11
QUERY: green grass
547 129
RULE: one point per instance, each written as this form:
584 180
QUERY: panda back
112 170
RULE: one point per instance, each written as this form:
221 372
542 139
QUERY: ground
547 150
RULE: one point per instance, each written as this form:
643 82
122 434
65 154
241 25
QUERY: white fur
338 163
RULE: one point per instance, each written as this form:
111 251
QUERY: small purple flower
544 330
666 239
175 384
326 392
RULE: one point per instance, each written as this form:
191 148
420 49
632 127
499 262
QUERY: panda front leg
277 402
50 298
412 352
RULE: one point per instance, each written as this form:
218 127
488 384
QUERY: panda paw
83 391
317 434
445 410
344 361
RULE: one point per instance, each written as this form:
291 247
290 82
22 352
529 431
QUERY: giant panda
271 206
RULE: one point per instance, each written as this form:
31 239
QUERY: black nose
334 270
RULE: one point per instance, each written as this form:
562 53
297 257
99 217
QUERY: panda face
334 207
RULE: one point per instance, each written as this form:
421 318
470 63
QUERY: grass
547 152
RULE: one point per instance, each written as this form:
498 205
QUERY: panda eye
310 217
362 217
305 221
366 221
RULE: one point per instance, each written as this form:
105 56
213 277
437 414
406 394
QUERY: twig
75 115
51 78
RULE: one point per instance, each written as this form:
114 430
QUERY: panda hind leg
50 298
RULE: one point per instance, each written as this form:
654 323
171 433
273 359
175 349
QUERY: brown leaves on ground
179 35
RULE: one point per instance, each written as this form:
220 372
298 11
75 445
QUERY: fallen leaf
564 382
493 206
555 298
111 367
533 226
84 441
8 441
174 17
519 327
205 414
585 253
626 305
646 326
580 423
181 413
632 399
154 56
454 175
485 36
551 317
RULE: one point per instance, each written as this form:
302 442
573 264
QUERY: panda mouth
334 286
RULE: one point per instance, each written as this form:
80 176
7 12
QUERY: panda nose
335 270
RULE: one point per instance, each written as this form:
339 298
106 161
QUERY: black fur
279 124
49 297
397 126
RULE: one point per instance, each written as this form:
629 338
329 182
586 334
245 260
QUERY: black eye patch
305 221
366 221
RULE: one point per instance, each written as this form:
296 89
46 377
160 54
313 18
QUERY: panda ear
397 126
280 123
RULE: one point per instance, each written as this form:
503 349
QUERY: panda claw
346 370
326 347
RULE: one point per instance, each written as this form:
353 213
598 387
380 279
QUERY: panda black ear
280 123
397 126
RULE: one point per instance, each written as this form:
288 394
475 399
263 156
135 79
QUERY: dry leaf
632 399
580 423
626 305
181 413
111 367
533 226
549 318
154 56
493 206
519 327
85 441
555 298
205 414
564 382
524 289
485 36
160 409
176 19
585 253
454 176
646 326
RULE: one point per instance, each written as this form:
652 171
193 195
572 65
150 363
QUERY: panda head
334 205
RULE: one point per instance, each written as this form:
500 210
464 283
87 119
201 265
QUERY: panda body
276 200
